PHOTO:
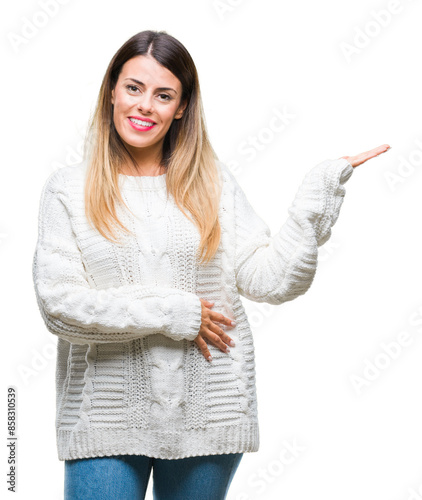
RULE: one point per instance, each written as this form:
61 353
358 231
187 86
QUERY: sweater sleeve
279 268
75 311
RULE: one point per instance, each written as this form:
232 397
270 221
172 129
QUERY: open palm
367 155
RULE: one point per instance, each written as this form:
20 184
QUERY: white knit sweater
129 378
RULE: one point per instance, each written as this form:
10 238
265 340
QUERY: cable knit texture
129 378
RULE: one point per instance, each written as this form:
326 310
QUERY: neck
148 162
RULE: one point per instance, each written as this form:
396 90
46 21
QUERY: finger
215 316
362 157
207 302
367 155
376 151
219 337
203 346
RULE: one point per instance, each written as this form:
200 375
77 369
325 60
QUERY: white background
253 57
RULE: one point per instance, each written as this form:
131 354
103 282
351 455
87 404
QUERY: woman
144 249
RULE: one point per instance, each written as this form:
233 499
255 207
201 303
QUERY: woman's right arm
78 313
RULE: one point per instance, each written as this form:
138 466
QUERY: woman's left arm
279 268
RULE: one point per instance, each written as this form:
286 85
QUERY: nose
145 103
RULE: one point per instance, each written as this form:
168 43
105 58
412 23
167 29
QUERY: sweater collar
144 181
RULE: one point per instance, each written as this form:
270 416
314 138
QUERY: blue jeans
125 477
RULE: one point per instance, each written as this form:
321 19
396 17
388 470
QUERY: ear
112 96
181 109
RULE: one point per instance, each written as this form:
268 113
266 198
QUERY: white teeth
141 122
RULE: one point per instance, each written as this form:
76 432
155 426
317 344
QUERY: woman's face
147 91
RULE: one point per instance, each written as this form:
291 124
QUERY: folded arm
80 314
279 268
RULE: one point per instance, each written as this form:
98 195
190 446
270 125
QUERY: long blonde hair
192 174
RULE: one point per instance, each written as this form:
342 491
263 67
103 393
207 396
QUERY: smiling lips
141 124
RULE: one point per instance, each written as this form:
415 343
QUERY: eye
165 97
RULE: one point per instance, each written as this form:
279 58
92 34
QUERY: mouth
141 125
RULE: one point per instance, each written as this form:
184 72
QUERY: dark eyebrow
143 84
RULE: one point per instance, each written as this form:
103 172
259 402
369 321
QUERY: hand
211 331
363 157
